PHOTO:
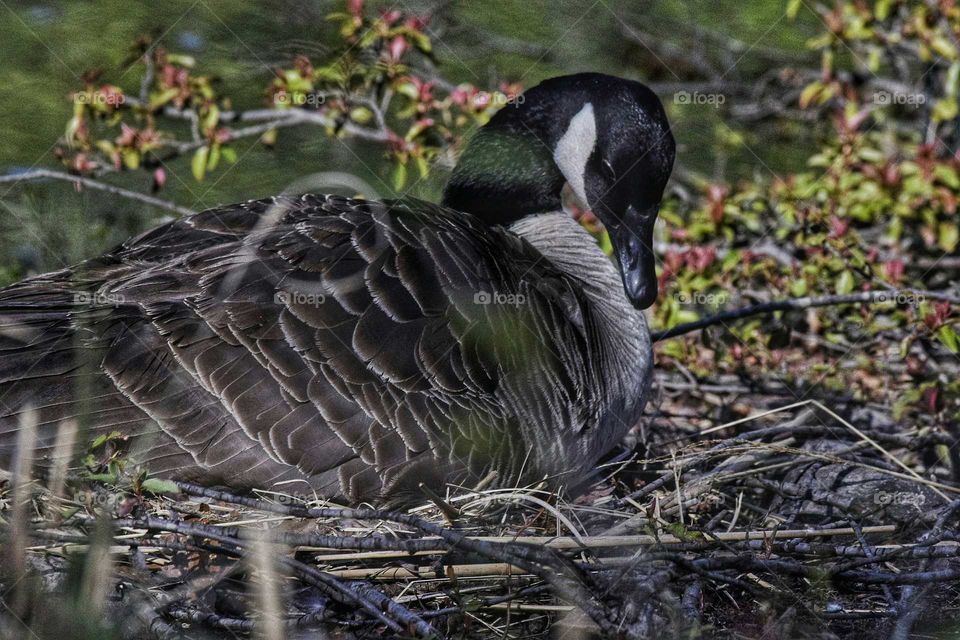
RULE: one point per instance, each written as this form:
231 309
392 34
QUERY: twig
561 573
41 174
791 304
369 599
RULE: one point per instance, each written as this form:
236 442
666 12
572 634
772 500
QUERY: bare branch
790 304
49 174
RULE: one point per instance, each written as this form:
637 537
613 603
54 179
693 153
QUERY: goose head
606 137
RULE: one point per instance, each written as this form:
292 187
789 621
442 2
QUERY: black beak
633 242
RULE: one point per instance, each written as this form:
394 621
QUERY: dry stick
40 174
175 608
369 599
909 608
433 546
909 475
749 562
553 568
210 619
790 304
527 559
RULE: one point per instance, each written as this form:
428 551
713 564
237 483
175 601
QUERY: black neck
503 175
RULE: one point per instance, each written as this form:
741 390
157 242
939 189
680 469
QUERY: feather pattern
353 349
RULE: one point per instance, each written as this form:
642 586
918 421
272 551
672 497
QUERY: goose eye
608 171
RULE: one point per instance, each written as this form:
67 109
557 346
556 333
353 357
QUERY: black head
607 137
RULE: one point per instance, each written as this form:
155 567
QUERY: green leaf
949 338
73 125
882 9
874 58
158 486
330 74
157 100
211 119
947 236
182 60
947 175
420 40
214 159
810 93
605 244
108 478
944 47
101 440
361 115
945 109
399 176
422 166
407 89
131 158
199 163
845 283
793 7
953 75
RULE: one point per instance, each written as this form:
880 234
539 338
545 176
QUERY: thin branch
792 304
272 118
49 174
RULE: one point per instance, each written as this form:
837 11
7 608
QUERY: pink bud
397 47
853 122
390 16
838 226
128 135
894 270
417 23
458 96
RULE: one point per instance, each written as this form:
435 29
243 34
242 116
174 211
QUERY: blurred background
50 46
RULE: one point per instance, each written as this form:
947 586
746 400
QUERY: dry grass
798 522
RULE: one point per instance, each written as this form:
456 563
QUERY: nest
796 522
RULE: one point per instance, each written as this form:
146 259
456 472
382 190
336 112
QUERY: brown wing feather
325 341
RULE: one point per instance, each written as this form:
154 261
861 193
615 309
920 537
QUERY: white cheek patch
575 147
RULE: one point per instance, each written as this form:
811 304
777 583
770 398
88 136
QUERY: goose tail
54 398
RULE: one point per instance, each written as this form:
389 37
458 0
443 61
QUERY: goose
363 350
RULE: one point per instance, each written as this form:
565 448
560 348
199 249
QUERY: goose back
349 348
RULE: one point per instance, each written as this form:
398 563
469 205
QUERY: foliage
877 209
370 87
